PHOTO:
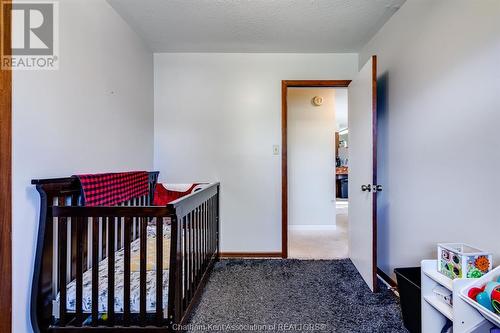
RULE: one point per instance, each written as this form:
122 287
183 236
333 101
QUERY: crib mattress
134 278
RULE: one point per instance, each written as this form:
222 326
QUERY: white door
363 172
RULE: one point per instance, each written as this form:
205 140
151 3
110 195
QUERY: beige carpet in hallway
321 244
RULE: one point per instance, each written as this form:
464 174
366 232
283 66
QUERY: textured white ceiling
302 26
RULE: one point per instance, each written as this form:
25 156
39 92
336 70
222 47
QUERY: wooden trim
284 170
317 83
227 255
285 84
387 278
374 175
6 180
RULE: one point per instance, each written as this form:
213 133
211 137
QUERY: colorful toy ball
495 299
473 292
484 300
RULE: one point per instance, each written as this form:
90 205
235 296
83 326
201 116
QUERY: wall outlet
276 150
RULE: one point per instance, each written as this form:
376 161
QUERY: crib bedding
134 278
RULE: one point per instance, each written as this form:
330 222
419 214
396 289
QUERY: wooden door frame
6 180
285 84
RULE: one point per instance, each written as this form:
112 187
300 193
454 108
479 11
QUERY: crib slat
142 279
193 252
87 239
207 234
111 270
204 235
159 270
202 238
175 273
73 246
117 229
78 222
122 232
209 227
185 275
198 244
63 247
190 255
209 237
126 272
95 269
205 221
101 242
217 225
214 225
195 271
195 248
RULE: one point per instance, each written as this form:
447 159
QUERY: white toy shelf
435 312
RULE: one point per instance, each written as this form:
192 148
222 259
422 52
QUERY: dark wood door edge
6 180
387 278
285 84
374 175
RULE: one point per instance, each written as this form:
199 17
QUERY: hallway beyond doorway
328 243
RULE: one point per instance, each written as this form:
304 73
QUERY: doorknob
365 188
377 188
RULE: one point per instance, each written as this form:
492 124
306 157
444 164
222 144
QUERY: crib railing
61 192
80 218
101 227
195 243
83 236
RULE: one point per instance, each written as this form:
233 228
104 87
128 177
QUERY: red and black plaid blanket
109 189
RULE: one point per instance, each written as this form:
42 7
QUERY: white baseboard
312 227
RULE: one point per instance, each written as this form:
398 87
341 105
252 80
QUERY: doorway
363 187
315 229
285 85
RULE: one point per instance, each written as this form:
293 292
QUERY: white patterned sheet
134 281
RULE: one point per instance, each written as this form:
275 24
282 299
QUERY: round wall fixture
317 100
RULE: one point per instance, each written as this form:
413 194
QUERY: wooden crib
76 242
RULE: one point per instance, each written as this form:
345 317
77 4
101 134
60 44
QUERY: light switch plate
276 150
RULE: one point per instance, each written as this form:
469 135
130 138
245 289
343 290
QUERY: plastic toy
495 299
485 300
490 286
457 260
473 292
488 295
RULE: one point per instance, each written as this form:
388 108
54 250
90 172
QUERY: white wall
311 157
217 117
95 114
341 107
439 105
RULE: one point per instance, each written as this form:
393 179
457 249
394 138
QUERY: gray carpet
293 295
